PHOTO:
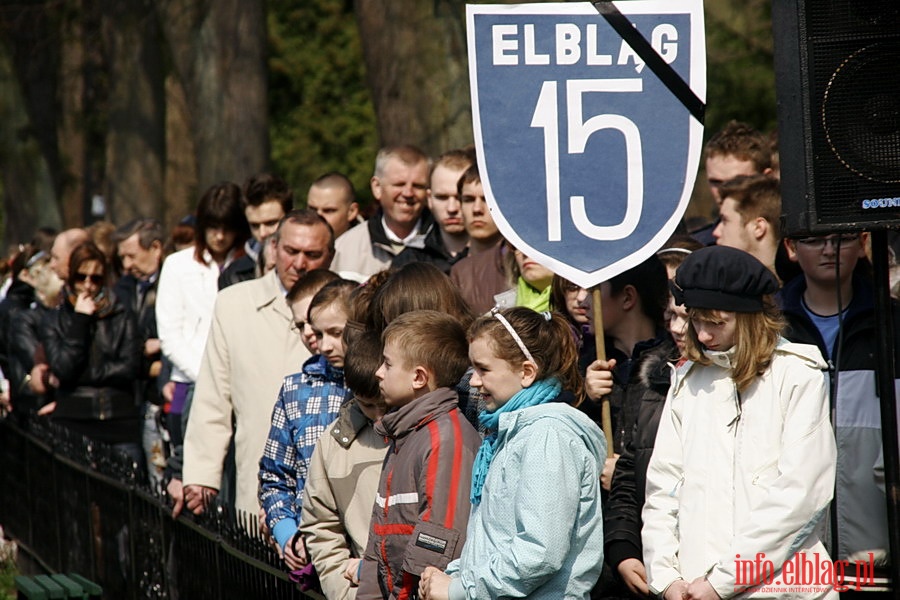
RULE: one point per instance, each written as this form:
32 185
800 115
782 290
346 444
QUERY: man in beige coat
252 346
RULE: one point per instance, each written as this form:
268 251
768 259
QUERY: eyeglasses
95 279
836 241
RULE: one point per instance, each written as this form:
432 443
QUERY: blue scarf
540 392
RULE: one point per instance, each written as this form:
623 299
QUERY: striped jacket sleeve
443 484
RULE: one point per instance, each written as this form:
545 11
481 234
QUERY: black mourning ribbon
652 59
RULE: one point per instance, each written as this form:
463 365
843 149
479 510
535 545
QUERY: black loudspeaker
837 74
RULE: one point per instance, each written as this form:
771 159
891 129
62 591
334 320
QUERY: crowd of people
413 407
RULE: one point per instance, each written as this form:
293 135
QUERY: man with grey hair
400 185
140 247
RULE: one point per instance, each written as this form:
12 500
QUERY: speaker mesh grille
854 63
861 113
836 19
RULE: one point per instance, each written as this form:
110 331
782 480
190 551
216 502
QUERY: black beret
723 278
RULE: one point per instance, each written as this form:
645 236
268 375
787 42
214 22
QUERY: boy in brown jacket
422 507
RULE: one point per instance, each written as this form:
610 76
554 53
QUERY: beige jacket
357 257
250 349
339 495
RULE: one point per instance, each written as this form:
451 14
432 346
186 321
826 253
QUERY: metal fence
75 506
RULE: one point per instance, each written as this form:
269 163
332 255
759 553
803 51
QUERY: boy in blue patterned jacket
307 403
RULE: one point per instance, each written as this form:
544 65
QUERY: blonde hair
47 285
755 337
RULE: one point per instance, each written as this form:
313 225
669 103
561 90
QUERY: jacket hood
349 423
318 367
656 368
565 416
810 354
400 422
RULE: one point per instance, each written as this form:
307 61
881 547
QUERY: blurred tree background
740 77
739 69
145 103
320 113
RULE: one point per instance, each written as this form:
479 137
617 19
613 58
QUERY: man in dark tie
140 248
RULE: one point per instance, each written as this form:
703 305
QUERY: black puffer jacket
628 389
24 346
622 516
97 361
18 298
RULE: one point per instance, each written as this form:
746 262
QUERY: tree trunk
71 129
181 160
219 49
415 55
136 134
30 163
29 199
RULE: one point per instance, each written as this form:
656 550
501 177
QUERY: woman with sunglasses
93 349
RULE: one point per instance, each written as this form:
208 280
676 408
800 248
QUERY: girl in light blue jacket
535 528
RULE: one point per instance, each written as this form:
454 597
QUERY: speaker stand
885 378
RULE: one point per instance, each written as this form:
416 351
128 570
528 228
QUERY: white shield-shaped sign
587 159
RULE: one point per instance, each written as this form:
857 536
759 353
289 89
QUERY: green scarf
532 298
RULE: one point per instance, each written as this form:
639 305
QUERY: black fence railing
76 507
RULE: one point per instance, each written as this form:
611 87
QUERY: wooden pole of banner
605 414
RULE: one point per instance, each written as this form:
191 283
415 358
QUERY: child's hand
264 530
701 589
294 553
168 391
352 569
609 467
434 585
152 346
634 575
598 380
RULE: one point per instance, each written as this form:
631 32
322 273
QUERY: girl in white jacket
743 468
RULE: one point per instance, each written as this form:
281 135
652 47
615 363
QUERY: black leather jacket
25 348
18 298
96 359
242 269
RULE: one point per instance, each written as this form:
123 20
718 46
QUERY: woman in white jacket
188 281
188 284
743 468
